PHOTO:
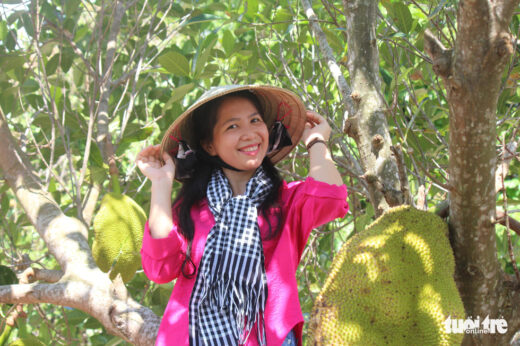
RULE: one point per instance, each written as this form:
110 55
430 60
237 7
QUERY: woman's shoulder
309 187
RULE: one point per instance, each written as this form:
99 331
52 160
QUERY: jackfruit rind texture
391 284
118 235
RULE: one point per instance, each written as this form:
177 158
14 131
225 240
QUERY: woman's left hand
316 127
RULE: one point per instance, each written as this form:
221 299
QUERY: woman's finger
314 117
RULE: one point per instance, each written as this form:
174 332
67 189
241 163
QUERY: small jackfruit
118 235
391 284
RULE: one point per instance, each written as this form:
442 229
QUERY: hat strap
216 160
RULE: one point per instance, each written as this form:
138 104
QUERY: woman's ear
209 148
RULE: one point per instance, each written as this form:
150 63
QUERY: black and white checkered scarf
230 290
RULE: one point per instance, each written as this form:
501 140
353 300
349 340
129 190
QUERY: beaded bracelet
314 141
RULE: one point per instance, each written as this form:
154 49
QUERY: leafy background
52 60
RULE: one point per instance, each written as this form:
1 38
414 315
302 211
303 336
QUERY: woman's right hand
151 165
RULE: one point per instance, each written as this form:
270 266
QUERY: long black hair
194 187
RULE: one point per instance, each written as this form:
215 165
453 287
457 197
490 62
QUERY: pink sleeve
312 203
162 257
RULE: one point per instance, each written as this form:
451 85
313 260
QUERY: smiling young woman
237 231
240 138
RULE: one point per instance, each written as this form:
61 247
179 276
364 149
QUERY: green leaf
29 340
206 52
401 16
75 316
387 76
364 220
11 61
139 135
178 93
228 42
30 86
93 323
334 39
95 157
67 57
204 18
71 6
4 203
10 40
27 24
44 334
175 63
7 276
252 8
52 65
97 174
282 18
7 102
209 71
3 30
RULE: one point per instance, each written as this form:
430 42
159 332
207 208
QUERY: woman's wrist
315 141
162 184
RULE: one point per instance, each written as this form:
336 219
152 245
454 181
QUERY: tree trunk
472 76
368 126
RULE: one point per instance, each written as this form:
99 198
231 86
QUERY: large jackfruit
118 235
391 284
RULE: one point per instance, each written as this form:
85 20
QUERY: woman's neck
238 180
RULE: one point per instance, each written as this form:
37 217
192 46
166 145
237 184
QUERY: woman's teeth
250 148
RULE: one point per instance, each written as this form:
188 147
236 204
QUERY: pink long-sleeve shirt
305 205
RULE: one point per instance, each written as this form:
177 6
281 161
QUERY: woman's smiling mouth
250 149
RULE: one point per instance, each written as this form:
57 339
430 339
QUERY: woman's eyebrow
236 119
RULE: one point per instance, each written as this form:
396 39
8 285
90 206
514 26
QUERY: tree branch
505 10
441 57
326 50
368 125
513 224
401 166
501 173
121 315
31 275
103 135
82 285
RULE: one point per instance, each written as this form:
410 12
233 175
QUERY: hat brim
278 104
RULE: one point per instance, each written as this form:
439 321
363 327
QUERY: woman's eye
232 127
256 120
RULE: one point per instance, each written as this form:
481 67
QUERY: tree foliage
86 84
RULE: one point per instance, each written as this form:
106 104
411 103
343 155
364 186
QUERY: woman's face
240 135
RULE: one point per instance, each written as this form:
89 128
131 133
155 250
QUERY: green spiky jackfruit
391 284
118 235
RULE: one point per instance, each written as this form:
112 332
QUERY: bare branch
369 126
507 155
326 50
31 275
401 166
103 137
505 10
514 225
121 315
441 57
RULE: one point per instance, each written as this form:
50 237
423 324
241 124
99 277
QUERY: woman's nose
247 132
